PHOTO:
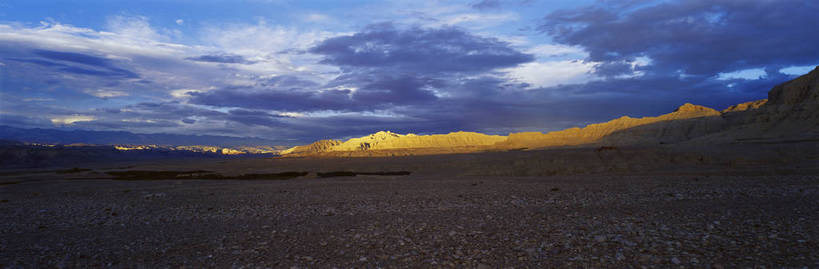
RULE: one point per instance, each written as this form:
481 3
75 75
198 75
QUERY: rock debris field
415 221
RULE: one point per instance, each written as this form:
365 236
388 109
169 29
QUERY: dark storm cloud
168 114
73 57
395 90
275 99
18 120
38 62
79 63
250 117
378 89
102 72
612 69
697 37
382 67
120 125
374 91
169 110
435 80
689 43
226 58
287 82
419 50
163 114
486 4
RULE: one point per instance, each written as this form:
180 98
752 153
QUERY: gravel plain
649 221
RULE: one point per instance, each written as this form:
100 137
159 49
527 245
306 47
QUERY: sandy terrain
680 210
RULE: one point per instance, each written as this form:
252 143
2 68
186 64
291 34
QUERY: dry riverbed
414 221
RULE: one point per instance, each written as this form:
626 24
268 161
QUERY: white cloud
180 21
552 73
261 39
68 120
38 99
475 20
185 93
138 120
105 93
121 43
134 45
275 49
316 17
635 65
749 74
555 50
137 27
797 70
435 14
292 114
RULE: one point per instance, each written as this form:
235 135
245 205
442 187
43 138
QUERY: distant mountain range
54 136
789 115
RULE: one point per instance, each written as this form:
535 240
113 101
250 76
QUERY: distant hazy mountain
54 136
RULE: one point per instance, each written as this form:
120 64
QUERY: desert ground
581 207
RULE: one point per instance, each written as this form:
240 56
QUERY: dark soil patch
72 170
352 174
199 174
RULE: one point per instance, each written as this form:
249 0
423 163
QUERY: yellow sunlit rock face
670 125
135 147
386 140
470 141
745 106
227 151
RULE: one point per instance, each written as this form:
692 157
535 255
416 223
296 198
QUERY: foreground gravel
415 221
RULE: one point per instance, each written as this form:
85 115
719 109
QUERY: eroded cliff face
791 113
318 146
804 89
671 127
386 140
745 106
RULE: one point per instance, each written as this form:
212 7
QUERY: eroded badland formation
791 112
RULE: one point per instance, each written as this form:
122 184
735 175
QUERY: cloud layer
421 68
697 38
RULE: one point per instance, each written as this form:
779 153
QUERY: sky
297 71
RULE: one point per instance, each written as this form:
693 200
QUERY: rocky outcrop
745 106
388 141
804 89
318 146
395 143
791 113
